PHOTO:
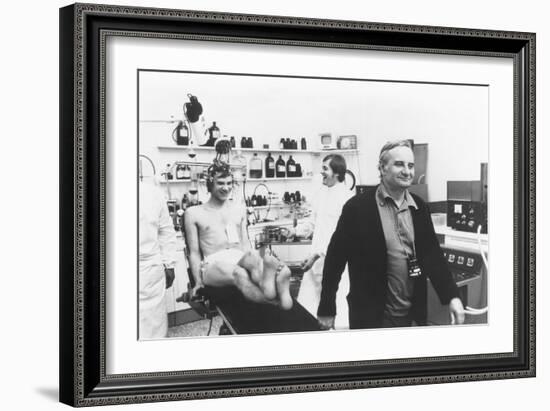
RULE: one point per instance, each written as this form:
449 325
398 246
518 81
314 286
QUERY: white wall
29 84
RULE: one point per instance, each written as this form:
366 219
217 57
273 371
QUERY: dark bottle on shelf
292 198
287 143
255 167
303 143
291 167
254 201
298 170
182 136
243 142
280 168
286 197
232 141
282 144
294 145
214 131
298 196
213 135
180 170
269 166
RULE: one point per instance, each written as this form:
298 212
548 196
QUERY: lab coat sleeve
335 262
166 236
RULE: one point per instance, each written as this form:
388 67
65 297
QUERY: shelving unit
261 150
268 179
249 180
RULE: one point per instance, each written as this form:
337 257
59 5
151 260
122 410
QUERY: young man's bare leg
222 274
275 269
250 290
253 263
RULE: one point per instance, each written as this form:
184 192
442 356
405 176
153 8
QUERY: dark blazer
359 241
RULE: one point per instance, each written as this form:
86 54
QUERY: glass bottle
269 166
239 162
280 169
255 167
298 170
182 134
214 131
179 171
291 167
303 143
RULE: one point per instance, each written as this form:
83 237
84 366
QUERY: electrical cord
268 197
470 310
151 162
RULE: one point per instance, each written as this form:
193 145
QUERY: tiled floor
196 328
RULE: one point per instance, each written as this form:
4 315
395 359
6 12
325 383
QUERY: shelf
267 180
254 180
272 206
174 181
261 150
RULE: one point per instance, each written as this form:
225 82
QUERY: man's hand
457 310
326 323
195 291
308 262
170 276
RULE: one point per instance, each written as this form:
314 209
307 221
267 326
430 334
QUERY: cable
268 195
150 161
470 310
481 249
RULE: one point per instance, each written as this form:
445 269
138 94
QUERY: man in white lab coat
157 258
327 207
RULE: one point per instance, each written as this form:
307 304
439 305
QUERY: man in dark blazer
387 238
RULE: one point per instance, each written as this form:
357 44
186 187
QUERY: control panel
464 265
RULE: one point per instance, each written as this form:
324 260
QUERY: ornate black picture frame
83 30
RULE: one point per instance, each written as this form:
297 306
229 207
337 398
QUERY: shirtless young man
219 251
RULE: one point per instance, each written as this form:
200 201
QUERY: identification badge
414 268
232 234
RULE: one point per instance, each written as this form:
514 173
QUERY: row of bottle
278 169
256 201
288 144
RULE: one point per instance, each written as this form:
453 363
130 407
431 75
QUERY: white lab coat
327 207
157 248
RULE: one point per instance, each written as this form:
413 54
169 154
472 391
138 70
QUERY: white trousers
153 313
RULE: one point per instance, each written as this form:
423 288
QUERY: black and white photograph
290 204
